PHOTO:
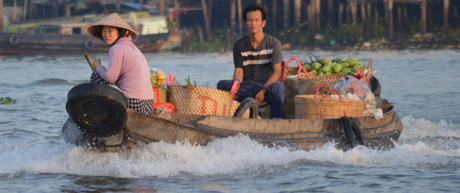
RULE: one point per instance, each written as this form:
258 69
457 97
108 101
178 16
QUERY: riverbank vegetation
214 25
331 24
222 40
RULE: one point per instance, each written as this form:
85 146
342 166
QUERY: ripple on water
421 84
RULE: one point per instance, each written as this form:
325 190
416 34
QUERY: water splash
423 144
419 128
49 82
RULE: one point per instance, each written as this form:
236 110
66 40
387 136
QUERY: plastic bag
378 114
157 77
352 85
370 105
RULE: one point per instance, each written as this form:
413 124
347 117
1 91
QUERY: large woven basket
316 106
264 112
309 86
292 87
201 100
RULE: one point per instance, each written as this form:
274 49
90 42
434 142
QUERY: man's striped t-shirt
257 63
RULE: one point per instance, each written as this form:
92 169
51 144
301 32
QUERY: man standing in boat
257 58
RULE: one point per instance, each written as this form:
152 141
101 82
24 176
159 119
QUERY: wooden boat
141 129
70 36
23 43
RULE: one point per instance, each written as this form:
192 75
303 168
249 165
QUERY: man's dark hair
255 7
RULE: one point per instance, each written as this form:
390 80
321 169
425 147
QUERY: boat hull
24 43
303 134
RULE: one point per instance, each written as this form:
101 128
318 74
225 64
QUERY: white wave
228 156
77 82
420 127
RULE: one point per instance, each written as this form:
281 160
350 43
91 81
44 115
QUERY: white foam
415 128
233 155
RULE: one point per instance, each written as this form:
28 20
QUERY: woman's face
110 34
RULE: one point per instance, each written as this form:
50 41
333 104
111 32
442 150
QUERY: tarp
134 5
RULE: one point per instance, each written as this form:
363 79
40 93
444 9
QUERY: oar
89 61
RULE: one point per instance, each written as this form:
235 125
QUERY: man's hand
273 78
260 97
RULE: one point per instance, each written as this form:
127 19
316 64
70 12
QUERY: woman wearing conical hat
127 68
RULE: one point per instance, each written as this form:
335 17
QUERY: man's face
254 21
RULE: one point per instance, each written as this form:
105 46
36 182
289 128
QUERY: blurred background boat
68 35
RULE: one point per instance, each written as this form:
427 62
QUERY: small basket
159 104
159 93
168 106
311 106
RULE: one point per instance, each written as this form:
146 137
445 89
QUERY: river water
423 85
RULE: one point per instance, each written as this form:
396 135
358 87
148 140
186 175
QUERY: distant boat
69 36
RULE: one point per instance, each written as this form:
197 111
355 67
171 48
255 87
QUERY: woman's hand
96 64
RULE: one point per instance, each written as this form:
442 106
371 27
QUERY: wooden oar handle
89 61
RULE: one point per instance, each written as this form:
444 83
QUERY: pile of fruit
157 77
325 66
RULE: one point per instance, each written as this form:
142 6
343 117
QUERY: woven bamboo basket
308 86
200 100
163 93
292 88
315 106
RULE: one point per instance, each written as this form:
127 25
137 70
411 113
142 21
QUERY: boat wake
423 144
49 82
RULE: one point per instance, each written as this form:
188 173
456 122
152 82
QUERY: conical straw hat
111 20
